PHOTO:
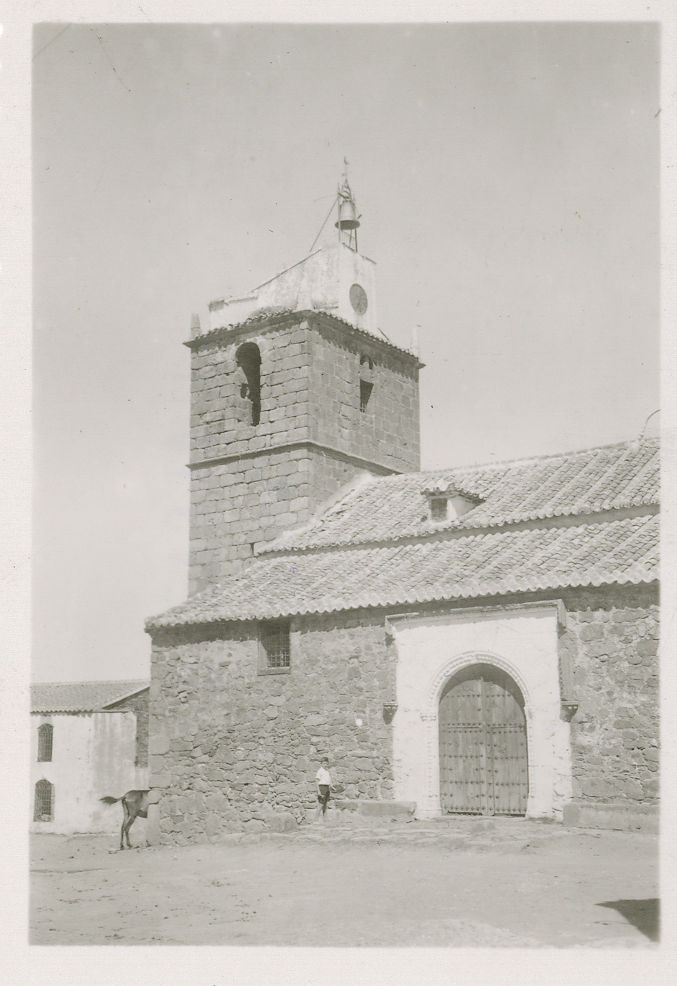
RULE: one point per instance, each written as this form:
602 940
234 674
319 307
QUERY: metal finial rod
642 432
344 189
326 219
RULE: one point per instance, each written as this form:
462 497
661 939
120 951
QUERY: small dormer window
446 503
438 508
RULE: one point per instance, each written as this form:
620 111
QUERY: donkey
134 804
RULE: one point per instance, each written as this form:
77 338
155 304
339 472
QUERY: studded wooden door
483 744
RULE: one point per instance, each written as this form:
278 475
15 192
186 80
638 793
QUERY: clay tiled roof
450 568
82 696
395 507
580 519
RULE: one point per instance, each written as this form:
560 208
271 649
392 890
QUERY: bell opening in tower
248 359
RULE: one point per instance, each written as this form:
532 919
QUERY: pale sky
507 177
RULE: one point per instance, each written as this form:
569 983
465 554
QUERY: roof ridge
470 467
628 442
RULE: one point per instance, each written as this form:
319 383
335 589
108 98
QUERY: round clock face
358 298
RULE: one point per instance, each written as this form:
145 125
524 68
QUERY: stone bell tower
293 396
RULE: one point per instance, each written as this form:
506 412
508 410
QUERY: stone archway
522 642
429 803
483 758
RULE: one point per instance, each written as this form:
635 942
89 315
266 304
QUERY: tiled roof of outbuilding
82 696
395 507
453 568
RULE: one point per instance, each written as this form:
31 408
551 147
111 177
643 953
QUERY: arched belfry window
248 359
366 380
45 737
43 808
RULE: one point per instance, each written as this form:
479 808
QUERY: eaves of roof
279 317
505 562
457 529
82 696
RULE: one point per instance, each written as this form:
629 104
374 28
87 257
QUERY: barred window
43 810
45 736
274 647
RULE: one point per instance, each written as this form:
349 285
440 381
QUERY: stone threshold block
377 809
580 814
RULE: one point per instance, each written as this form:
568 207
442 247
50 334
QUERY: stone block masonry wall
332 474
231 748
612 642
388 430
248 502
221 422
256 493
250 482
237 504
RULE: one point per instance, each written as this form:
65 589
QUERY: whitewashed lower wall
92 756
522 641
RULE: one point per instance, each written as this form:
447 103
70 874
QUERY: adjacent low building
88 739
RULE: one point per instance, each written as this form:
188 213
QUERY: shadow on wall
644 914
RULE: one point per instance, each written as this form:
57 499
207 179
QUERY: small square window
438 508
274 650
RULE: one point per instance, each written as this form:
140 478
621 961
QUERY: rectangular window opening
275 652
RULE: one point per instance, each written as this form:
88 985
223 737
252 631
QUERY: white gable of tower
334 279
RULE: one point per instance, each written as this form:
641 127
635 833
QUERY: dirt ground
466 882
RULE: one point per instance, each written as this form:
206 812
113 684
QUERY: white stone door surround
520 640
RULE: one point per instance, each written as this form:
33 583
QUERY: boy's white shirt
323 776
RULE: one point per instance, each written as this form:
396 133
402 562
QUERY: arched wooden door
483 744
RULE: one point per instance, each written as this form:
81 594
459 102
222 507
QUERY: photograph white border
23 964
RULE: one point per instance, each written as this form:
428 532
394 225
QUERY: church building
478 640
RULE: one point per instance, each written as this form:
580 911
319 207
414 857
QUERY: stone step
612 816
376 809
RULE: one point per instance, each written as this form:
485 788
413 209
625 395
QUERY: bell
347 214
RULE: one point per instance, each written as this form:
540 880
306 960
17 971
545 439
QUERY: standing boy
323 779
